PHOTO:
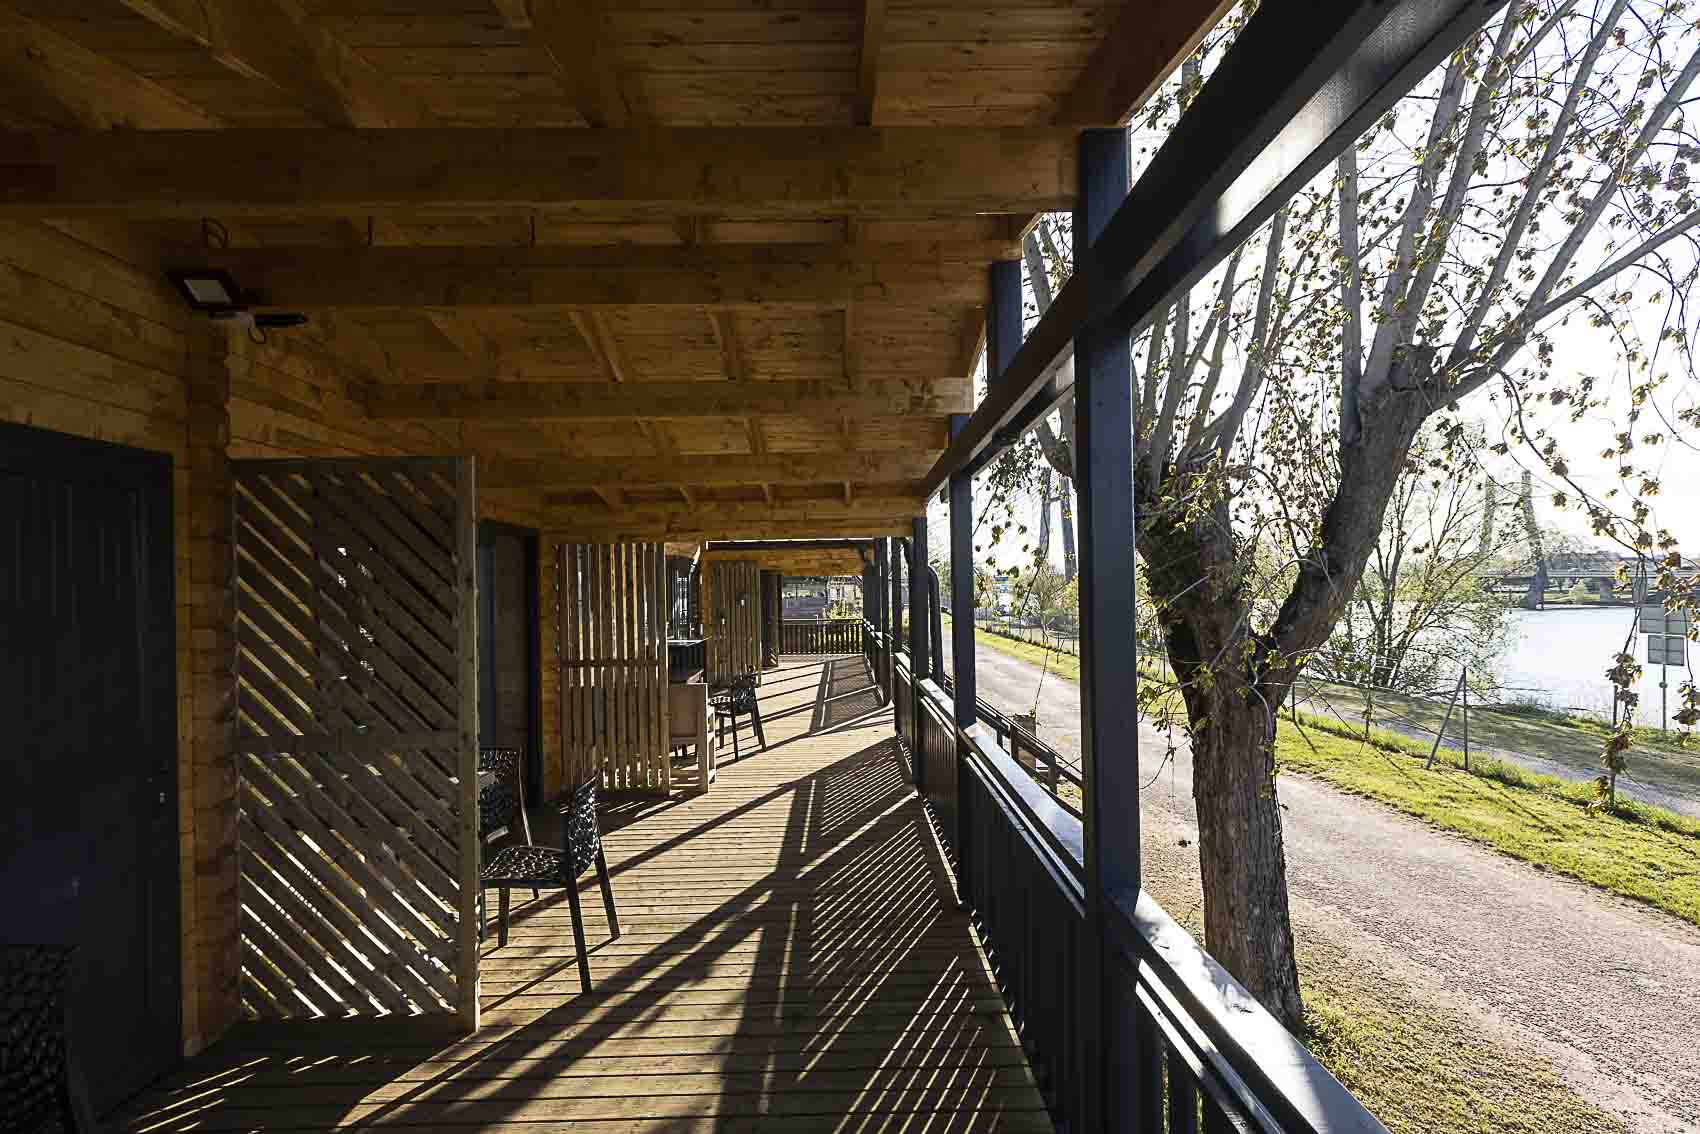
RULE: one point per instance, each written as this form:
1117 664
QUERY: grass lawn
1641 852
1416 1060
1422 1066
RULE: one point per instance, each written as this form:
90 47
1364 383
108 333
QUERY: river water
1559 658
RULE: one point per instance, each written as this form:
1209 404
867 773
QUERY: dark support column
1103 461
882 623
895 558
1003 340
919 653
1003 318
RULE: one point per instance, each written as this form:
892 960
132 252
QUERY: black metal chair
524 865
732 701
501 804
39 1086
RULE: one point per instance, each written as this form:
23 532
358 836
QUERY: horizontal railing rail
806 636
1041 761
1198 1051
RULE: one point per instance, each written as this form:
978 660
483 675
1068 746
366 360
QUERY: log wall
94 342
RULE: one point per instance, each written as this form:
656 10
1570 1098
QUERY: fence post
1466 718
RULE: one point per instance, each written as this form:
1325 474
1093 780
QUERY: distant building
814 596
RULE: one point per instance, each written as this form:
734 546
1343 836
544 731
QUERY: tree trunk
1044 556
1231 719
1067 502
1240 850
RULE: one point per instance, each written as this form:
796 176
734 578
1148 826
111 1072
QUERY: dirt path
1605 988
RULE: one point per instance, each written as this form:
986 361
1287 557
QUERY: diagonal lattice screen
355 718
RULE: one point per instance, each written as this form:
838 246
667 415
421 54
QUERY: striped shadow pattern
355 713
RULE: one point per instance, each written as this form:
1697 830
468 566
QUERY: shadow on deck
792 959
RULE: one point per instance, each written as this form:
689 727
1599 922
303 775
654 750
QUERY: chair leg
607 892
578 934
502 918
736 755
755 720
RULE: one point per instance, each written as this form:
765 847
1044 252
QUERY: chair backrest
743 690
687 710
35 1081
584 835
501 800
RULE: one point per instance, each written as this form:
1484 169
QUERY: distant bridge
1597 571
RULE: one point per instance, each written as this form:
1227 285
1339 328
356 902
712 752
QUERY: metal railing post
919 664
1115 1092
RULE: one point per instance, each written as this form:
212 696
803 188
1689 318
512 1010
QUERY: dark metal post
962 589
895 559
935 642
1103 456
919 656
882 651
1003 340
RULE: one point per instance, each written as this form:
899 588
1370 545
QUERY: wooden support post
1103 430
466 766
212 781
919 656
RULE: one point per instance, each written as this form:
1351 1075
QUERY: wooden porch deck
792 959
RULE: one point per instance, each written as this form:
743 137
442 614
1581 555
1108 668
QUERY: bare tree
1277 405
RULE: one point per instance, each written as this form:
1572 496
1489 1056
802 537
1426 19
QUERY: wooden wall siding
733 601
549 572
355 684
211 645
612 628
93 343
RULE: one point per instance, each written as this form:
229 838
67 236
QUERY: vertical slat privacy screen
356 722
734 620
612 620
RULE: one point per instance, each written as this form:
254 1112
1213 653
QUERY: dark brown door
508 686
88 784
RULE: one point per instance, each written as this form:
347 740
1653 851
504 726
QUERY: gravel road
1607 989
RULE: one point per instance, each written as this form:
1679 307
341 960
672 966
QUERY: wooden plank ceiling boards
672 270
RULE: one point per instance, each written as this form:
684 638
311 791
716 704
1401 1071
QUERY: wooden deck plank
792 958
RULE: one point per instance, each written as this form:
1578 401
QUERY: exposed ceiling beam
595 401
725 275
278 42
472 344
732 528
709 469
725 547
574 35
868 60
1147 44
593 328
62 83
714 511
878 171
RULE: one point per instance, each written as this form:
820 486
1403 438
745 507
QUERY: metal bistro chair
40 1088
527 866
732 701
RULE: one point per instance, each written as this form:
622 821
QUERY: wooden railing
1192 1048
820 636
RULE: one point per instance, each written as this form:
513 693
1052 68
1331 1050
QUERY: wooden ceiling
704 270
